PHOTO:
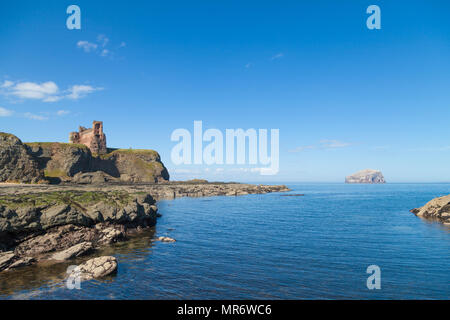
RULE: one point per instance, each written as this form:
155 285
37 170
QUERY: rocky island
60 201
437 209
367 176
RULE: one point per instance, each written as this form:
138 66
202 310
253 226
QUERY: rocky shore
437 209
53 223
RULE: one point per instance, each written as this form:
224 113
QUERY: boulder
96 268
367 176
165 239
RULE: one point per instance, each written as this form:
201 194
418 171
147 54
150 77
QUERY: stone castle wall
93 138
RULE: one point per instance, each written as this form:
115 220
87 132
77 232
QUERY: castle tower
93 138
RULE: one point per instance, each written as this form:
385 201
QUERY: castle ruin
93 138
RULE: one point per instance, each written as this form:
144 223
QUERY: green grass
56 145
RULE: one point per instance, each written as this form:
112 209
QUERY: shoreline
44 223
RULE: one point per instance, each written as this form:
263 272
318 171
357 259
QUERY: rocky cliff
64 224
437 209
368 176
16 165
67 162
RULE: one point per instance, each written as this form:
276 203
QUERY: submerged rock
437 209
368 176
165 239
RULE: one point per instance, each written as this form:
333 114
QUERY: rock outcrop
60 160
65 224
437 209
16 165
368 176
56 162
95 268
132 165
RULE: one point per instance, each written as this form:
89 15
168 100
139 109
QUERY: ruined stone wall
93 138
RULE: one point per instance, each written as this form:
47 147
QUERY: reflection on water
51 274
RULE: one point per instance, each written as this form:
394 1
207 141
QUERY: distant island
367 176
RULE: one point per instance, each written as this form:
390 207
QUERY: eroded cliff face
130 165
67 162
16 165
60 160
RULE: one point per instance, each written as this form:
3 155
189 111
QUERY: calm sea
269 246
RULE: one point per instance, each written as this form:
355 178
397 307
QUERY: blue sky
344 97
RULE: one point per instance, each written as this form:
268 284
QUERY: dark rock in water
367 176
16 165
437 209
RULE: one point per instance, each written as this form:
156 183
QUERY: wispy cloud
333 144
277 56
325 144
35 116
6 84
80 91
5 112
45 91
62 112
87 46
101 46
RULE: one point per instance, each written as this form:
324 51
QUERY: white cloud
62 112
6 84
87 46
80 91
100 46
31 90
5 112
277 56
45 91
35 116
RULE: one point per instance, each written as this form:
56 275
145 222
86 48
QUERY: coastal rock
437 209
367 176
165 239
132 165
75 251
9 260
60 161
41 211
97 177
96 268
16 165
